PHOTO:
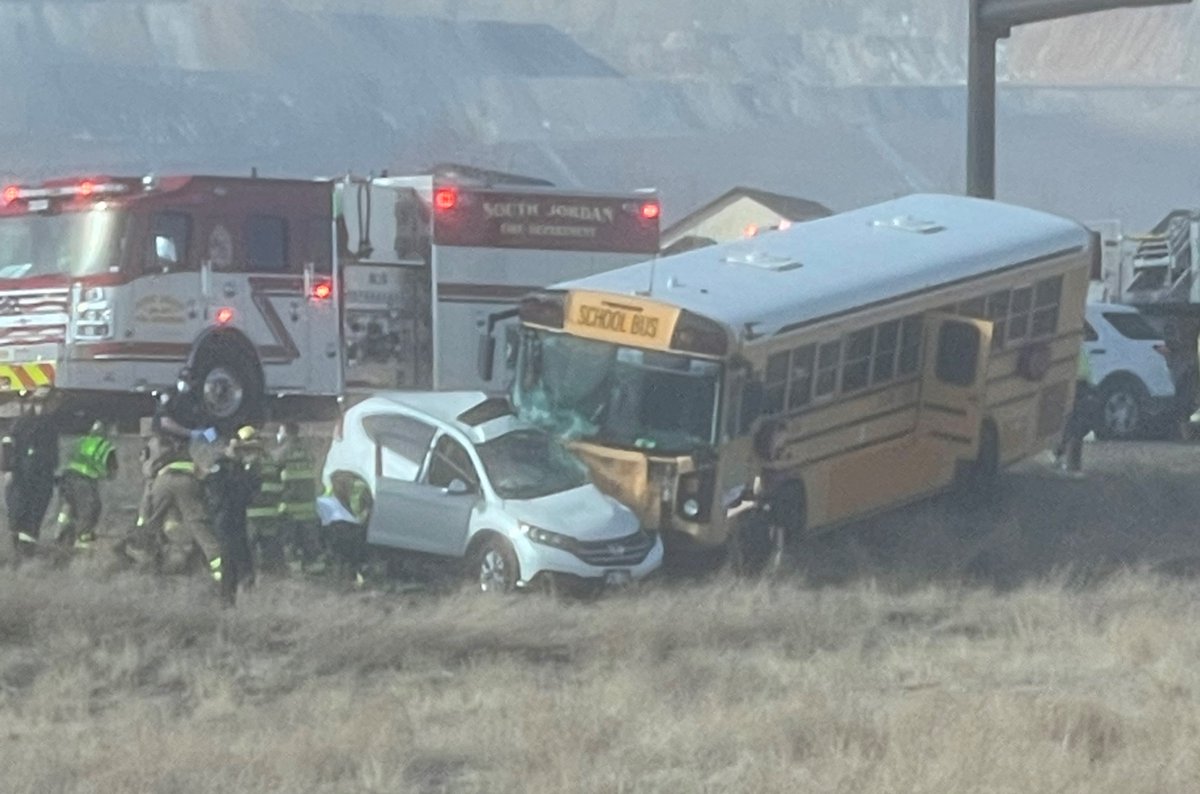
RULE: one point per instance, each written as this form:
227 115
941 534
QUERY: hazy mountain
841 102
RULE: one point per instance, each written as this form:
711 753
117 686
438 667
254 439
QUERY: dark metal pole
981 108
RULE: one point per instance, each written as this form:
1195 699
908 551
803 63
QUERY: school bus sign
625 321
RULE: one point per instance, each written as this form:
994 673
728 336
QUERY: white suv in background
457 476
1129 369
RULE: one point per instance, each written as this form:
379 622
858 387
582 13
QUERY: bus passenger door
736 465
953 388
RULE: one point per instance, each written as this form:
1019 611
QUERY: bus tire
228 386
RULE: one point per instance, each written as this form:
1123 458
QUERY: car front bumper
536 559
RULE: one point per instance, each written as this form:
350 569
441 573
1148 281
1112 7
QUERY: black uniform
229 488
34 451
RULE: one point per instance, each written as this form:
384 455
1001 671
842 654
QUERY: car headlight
546 537
691 508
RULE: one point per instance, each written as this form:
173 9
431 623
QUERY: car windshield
527 464
603 392
62 244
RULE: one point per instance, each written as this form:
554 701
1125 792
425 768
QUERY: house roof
791 207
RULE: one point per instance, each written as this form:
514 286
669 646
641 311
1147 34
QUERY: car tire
1122 409
494 567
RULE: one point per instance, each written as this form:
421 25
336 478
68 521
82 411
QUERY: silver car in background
456 475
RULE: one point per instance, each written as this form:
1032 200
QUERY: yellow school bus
745 394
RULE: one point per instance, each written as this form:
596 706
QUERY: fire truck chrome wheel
223 393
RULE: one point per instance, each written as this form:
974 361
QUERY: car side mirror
457 488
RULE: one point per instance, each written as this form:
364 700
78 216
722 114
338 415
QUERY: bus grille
629 550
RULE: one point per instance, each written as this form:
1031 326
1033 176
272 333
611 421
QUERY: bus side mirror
487 357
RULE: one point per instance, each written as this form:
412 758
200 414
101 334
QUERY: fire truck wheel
228 390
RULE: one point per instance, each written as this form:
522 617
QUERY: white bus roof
825 267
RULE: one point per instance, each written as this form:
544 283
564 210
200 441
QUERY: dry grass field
1047 644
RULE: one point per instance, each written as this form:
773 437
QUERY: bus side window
911 335
1046 296
776 383
800 379
266 244
169 242
957 353
829 356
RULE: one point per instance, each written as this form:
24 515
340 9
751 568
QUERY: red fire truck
279 296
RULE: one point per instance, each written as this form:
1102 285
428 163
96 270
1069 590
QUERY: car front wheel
1120 410
494 567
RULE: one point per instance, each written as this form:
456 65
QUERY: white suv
454 474
1129 369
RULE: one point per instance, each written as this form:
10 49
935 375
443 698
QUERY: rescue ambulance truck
280 296
743 395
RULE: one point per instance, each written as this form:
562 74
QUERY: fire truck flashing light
445 199
322 290
85 189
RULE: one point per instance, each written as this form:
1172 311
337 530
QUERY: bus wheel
228 390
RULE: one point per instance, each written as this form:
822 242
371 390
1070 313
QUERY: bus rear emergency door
953 386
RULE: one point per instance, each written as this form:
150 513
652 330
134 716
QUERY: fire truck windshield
62 244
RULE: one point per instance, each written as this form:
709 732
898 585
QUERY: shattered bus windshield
598 391
64 244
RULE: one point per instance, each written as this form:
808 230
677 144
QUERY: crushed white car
456 475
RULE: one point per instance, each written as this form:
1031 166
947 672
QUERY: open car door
953 386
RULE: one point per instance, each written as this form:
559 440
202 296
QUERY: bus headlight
694 495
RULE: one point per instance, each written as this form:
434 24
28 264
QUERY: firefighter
346 525
230 487
166 438
32 452
297 508
176 524
1080 422
1180 340
265 523
93 459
